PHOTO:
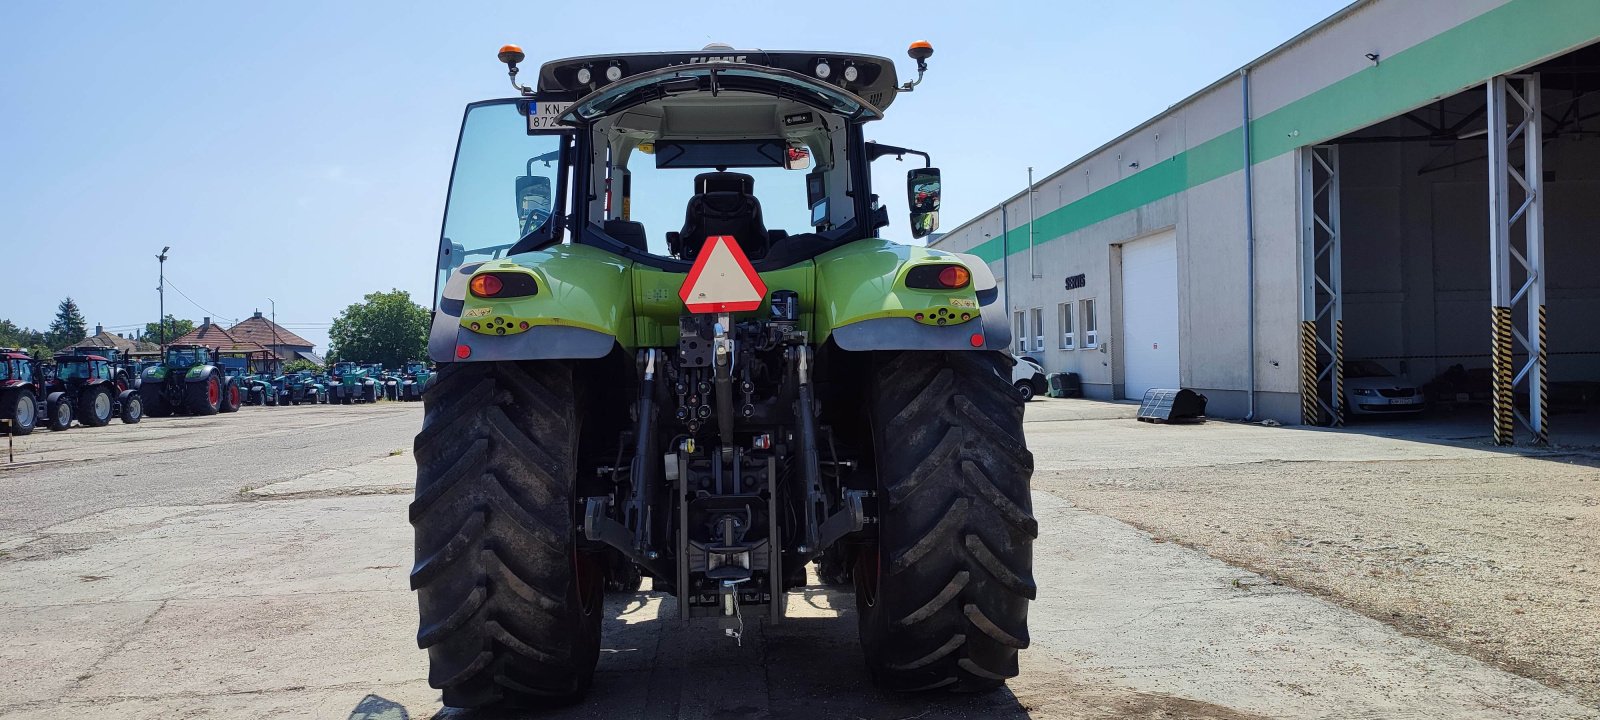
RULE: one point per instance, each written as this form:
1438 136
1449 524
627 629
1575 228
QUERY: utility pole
275 351
162 289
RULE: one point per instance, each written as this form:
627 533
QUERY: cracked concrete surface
196 599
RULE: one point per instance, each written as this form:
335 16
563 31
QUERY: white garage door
1150 313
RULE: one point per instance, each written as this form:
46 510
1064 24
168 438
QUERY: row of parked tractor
187 380
345 384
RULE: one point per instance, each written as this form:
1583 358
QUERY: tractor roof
77 357
875 81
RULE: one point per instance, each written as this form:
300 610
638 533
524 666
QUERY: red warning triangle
722 279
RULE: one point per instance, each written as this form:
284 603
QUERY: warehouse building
1412 185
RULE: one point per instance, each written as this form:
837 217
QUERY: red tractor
24 397
95 391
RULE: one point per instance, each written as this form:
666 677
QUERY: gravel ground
1492 554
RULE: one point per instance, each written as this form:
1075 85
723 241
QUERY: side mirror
922 196
533 201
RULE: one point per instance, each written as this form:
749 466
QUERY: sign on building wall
1076 281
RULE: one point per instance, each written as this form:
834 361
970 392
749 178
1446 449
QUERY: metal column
1322 302
1516 256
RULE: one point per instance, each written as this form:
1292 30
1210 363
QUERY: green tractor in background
413 378
351 383
188 380
388 381
304 387
767 385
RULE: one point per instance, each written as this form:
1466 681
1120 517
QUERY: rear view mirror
798 158
922 196
533 201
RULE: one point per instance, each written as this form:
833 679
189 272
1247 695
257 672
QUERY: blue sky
301 151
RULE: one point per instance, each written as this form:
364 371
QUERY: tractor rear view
25 398
413 378
717 403
96 393
188 381
352 383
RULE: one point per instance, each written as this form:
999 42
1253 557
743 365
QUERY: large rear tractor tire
204 397
20 411
943 598
510 607
94 407
154 404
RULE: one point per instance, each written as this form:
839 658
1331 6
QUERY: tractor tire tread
496 579
948 608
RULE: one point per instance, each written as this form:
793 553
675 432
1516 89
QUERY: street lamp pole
162 289
276 348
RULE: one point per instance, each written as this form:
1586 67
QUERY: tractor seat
723 204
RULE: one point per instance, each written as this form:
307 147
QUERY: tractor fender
582 308
864 303
54 397
206 371
126 395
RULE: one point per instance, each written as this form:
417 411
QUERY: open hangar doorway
1456 248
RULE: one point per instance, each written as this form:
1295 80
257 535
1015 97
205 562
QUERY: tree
386 327
297 365
21 337
69 325
176 328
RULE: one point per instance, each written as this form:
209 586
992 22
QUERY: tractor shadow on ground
808 665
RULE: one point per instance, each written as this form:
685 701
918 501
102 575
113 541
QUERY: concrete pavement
289 599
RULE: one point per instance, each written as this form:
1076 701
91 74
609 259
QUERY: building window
1022 332
1064 320
1091 338
1038 329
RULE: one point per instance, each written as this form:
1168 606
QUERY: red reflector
486 286
523 325
463 352
976 340
954 276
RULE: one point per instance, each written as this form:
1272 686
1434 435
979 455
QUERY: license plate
1401 401
542 116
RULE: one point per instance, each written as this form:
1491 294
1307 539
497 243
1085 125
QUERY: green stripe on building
1517 34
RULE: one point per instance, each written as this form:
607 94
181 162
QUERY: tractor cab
647 155
79 369
16 368
183 357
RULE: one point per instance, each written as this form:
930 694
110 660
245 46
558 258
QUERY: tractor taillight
503 285
938 277
487 286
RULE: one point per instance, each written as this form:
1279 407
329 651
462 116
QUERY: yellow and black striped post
1542 433
1338 373
1500 364
1309 413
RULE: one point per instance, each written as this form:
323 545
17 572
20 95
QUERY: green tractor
769 384
388 381
188 380
352 383
413 378
304 387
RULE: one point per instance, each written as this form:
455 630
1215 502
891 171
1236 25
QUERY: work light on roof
584 75
823 71
851 72
613 73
